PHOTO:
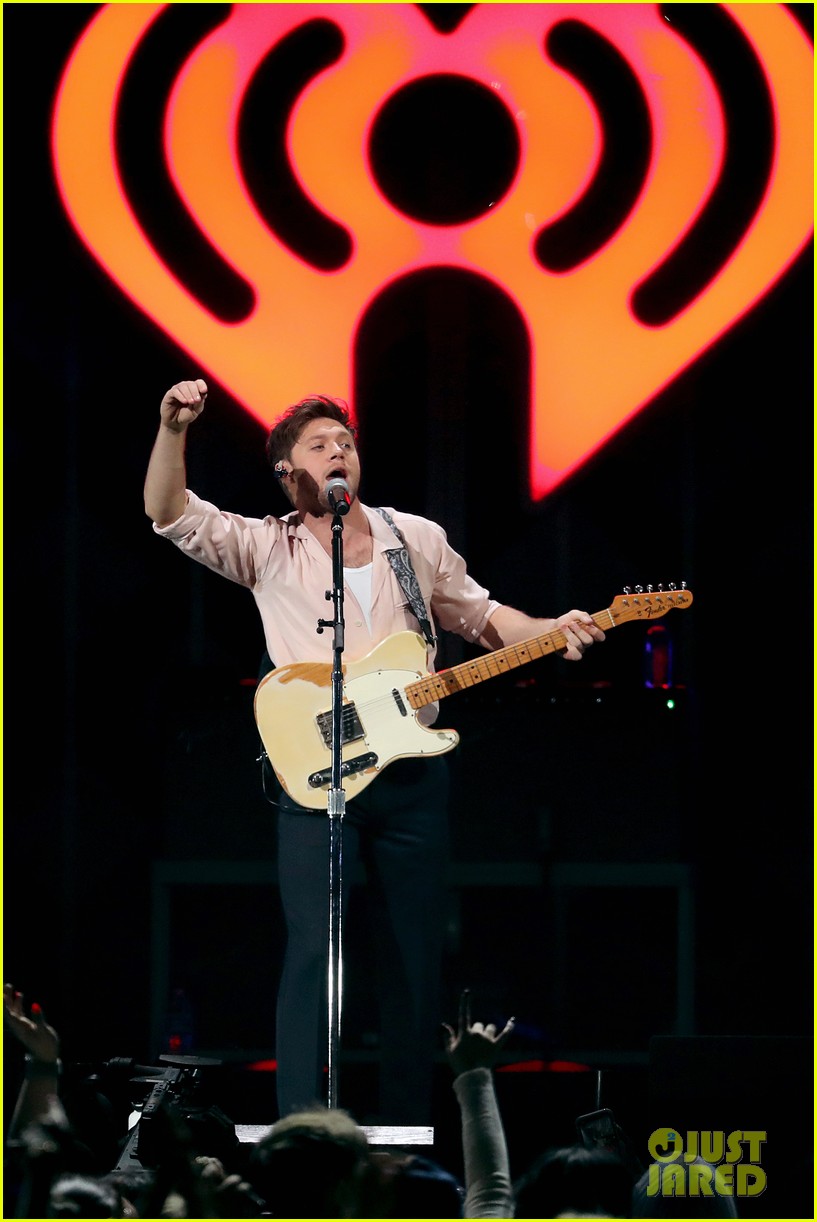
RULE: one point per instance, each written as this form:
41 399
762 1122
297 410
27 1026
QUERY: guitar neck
468 674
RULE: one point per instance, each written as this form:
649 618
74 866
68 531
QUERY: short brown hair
310 1164
288 427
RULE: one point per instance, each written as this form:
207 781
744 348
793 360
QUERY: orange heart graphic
595 362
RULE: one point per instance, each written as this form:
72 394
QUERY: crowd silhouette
64 1155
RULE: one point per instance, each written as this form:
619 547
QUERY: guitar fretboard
467 674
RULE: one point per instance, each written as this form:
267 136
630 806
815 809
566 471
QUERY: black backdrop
128 730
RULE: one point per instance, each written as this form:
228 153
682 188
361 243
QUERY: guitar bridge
347 768
350 728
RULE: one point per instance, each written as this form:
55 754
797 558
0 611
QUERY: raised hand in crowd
474 1045
473 1050
39 1039
42 1060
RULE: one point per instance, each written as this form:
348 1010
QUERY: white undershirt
359 582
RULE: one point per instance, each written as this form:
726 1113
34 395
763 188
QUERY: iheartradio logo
636 184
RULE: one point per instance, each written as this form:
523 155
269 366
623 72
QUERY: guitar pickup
347 768
350 728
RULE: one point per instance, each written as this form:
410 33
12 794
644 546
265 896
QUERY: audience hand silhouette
474 1045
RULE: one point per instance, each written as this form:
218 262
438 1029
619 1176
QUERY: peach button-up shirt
287 570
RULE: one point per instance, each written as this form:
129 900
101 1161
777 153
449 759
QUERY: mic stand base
398 1134
380 1135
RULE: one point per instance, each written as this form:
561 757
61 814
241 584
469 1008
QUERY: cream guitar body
293 711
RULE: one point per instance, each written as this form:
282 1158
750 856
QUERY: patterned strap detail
404 572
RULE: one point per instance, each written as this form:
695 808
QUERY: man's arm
472 1051
507 626
42 1066
166 479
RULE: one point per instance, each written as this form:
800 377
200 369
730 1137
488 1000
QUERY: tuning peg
626 590
639 589
649 589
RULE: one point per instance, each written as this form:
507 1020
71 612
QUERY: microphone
339 496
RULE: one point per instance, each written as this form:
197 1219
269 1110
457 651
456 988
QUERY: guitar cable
263 760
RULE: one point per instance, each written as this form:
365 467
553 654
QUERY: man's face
325 450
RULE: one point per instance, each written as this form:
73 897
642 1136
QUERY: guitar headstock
650 602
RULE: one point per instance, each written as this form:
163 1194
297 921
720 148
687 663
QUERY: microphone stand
336 808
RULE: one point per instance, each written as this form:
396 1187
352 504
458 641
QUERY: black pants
398 828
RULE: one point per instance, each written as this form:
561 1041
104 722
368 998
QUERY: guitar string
480 667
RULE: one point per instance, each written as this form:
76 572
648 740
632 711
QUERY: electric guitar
382 695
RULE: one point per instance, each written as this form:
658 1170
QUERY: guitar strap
400 562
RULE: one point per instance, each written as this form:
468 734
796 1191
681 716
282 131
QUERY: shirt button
358 623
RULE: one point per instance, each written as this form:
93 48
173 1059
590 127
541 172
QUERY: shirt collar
383 537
